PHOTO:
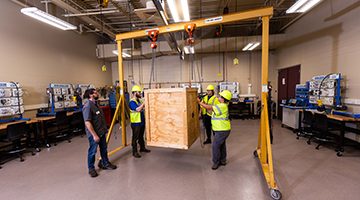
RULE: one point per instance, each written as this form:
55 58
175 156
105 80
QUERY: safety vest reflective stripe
206 101
135 116
220 118
217 107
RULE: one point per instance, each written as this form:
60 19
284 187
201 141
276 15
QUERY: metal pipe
91 13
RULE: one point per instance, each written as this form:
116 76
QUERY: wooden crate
172 118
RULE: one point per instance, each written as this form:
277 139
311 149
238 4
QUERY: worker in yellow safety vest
221 126
137 121
211 100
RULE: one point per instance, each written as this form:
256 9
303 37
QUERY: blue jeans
219 147
92 151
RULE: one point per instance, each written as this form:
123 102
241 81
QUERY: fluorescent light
254 46
47 18
189 50
173 10
308 5
185 10
296 5
302 6
124 55
247 46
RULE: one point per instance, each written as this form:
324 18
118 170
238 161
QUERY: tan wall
325 40
36 54
171 69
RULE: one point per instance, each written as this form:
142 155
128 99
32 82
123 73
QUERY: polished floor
301 171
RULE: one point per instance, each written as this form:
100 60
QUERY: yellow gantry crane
263 151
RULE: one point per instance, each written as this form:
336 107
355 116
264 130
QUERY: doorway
287 80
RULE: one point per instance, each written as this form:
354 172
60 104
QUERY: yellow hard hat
210 87
136 89
226 94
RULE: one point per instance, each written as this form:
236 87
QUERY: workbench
4 125
343 120
42 121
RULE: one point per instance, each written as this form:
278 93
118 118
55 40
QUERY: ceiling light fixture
124 55
173 10
189 50
47 18
254 46
302 6
251 46
247 46
185 10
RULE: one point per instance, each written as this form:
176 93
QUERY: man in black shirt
96 129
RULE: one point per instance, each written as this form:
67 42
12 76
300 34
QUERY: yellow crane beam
213 21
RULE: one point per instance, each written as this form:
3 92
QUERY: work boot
93 173
208 141
215 167
145 150
136 155
222 163
109 166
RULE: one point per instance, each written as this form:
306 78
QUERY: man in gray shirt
96 129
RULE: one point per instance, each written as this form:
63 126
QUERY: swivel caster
297 137
69 141
317 148
38 149
275 194
55 144
308 142
282 125
32 153
48 145
21 160
256 154
339 153
298 133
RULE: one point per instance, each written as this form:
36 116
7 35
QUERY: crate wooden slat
172 118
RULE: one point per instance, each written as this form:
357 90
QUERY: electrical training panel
330 90
11 99
61 95
193 85
232 87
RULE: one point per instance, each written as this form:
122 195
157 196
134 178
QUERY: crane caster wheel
275 194
308 142
21 160
48 145
282 125
317 148
32 153
69 141
256 154
339 153
297 137
298 134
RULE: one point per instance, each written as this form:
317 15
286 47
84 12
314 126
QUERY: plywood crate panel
172 118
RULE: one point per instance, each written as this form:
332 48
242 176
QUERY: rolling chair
307 131
14 134
61 119
322 125
77 123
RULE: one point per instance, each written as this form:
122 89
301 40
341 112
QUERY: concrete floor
301 171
